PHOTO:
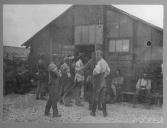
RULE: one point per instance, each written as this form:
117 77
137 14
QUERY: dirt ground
25 108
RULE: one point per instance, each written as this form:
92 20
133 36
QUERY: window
112 46
88 34
119 45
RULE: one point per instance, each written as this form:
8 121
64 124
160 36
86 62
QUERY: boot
47 108
43 98
56 115
94 106
99 107
104 109
105 114
47 114
55 110
93 114
78 102
37 98
90 106
67 102
61 102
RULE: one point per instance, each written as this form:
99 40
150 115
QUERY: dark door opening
85 49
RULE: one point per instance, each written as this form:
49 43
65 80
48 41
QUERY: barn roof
16 52
135 18
27 43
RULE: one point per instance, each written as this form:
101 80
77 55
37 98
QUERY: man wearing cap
100 72
54 90
143 86
65 80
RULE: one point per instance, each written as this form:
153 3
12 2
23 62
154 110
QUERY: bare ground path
25 108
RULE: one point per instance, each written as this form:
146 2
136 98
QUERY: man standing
79 80
65 80
54 90
88 68
100 72
42 78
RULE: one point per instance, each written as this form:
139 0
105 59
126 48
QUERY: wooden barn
128 43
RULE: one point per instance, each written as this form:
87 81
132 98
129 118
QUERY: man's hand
69 75
143 88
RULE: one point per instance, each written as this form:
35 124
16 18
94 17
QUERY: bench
123 93
158 97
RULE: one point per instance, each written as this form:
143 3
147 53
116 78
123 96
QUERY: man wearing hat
54 90
143 86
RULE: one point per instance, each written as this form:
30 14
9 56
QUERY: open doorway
86 50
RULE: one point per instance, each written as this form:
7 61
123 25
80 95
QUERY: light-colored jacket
79 74
103 69
143 83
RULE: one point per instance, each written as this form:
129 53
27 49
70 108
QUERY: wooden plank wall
147 58
140 57
118 26
40 44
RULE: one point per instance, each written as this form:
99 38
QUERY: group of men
61 83
91 76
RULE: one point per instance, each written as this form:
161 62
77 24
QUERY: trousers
146 93
54 94
41 89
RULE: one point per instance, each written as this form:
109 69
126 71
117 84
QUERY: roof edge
25 43
135 18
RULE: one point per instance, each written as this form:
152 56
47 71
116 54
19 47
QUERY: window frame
95 29
119 52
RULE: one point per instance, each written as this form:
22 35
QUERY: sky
21 22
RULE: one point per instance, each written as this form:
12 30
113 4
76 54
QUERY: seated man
117 83
143 86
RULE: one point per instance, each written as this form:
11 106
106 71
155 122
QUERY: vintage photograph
83 63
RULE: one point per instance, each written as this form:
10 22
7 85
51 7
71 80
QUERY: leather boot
104 109
94 106
99 106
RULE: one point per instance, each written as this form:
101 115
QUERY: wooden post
133 43
104 45
51 49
